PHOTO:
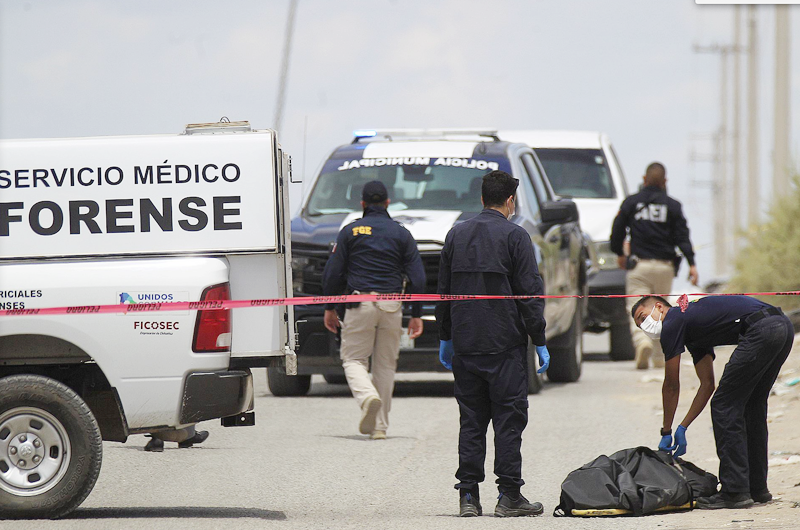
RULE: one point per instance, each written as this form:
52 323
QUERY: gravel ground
305 466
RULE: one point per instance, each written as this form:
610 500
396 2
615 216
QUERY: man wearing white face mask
763 336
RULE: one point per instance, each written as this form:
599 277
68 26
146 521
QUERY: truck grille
430 260
308 276
308 264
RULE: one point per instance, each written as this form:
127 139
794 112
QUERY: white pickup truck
84 222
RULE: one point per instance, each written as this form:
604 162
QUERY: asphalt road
304 465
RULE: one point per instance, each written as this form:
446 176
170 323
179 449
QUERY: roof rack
218 127
391 134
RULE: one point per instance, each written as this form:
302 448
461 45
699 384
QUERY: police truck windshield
417 183
578 173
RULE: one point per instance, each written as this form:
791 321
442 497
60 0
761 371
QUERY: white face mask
511 210
651 326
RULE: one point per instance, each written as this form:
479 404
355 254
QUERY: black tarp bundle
636 481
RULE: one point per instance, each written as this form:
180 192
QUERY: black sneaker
724 500
155 445
470 505
516 507
198 438
761 497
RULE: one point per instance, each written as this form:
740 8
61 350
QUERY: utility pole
753 200
287 54
720 187
722 205
736 184
781 163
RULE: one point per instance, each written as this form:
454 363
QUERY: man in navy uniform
763 336
485 342
656 225
373 255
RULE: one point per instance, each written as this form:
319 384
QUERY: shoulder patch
683 302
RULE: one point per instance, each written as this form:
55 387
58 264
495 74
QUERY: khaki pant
372 329
650 276
175 435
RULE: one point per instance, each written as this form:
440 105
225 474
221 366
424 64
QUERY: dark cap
374 192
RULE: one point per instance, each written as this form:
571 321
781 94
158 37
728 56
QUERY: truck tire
335 379
566 352
535 382
621 343
282 385
50 448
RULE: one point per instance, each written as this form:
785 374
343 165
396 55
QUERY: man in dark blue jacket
373 255
763 336
485 342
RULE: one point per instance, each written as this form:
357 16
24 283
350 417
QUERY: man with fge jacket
373 255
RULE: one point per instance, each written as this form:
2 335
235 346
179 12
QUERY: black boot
515 505
198 438
761 497
155 445
470 504
724 500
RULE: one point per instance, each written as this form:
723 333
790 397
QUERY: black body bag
636 481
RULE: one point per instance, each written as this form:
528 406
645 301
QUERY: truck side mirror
559 212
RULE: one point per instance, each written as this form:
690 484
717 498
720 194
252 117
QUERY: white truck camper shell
201 215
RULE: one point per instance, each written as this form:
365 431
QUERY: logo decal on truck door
153 297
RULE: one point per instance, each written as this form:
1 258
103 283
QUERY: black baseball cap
374 192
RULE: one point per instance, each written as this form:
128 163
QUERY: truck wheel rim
34 451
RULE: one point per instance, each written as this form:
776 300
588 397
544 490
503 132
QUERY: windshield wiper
330 211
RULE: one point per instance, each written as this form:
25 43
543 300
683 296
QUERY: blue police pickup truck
434 181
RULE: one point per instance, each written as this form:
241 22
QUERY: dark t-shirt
707 322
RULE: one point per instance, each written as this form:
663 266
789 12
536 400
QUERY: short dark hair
498 186
655 175
644 300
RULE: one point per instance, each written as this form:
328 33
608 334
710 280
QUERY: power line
287 53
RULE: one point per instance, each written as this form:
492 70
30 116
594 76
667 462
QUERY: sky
625 67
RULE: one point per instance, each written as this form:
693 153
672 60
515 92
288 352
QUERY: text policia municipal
48 218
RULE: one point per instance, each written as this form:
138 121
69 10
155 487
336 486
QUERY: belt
353 305
759 315
658 260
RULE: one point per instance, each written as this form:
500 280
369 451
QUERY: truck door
530 219
556 246
262 336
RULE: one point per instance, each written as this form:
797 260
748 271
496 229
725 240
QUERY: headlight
299 263
605 258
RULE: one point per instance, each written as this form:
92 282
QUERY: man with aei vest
656 225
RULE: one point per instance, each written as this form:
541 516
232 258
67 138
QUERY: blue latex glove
680 442
544 359
666 443
446 353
